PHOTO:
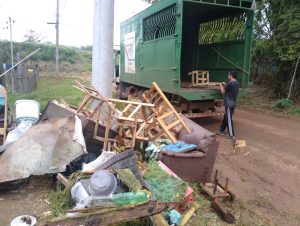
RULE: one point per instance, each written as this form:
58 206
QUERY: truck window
160 24
224 29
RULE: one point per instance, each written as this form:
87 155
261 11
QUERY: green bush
47 52
283 104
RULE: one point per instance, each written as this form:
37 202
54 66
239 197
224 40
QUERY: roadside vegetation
276 48
261 101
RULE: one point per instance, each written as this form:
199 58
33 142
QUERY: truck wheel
122 91
132 91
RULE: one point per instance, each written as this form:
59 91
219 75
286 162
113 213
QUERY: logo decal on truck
129 50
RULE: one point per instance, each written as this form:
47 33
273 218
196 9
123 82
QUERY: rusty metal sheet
45 148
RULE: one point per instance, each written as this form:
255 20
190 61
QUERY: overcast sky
76 19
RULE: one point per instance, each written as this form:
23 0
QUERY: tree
33 37
277 40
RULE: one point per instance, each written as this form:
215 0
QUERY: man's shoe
232 137
220 133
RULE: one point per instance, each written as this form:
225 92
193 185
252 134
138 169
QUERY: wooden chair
167 121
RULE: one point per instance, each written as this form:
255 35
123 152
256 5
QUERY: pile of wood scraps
148 119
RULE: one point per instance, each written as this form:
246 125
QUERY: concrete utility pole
11 43
57 37
103 39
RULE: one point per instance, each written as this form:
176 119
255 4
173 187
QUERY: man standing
230 91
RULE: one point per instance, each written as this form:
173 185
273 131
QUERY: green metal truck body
171 38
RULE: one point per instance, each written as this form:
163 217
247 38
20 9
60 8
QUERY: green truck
187 47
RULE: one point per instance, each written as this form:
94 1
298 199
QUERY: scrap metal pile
97 149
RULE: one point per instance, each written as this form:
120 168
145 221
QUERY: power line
62 12
57 38
11 43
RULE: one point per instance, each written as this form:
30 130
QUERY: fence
22 79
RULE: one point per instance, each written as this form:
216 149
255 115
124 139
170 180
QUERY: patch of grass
283 104
247 101
296 111
61 199
119 106
291 217
280 106
204 215
50 88
246 216
165 187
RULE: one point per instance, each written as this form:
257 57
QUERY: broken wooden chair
103 112
167 121
132 120
219 193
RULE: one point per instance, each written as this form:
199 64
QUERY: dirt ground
25 198
265 175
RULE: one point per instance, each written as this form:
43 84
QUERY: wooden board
208 188
113 217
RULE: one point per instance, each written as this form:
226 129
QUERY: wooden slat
171 106
120 118
130 102
135 111
127 108
101 217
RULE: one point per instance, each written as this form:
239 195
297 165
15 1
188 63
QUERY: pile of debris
93 150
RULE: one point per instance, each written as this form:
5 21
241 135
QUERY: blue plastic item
2 101
175 217
180 146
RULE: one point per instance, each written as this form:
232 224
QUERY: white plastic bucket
102 183
27 110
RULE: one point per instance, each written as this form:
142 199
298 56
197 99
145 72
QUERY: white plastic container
102 183
27 110
24 220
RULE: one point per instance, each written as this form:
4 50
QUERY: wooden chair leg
107 131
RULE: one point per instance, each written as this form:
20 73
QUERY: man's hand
222 84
